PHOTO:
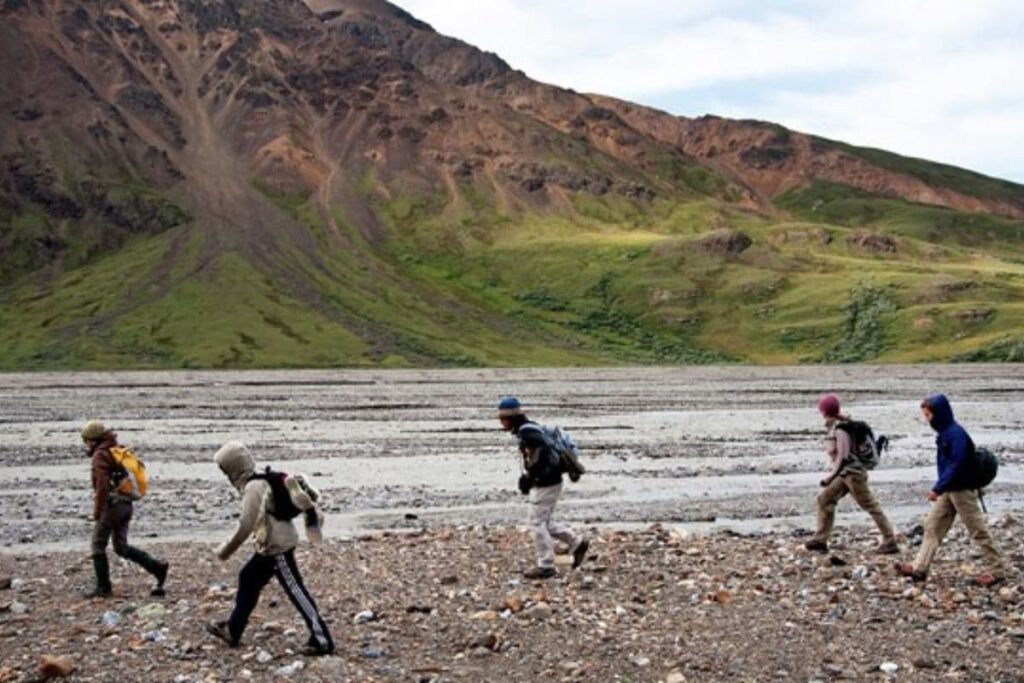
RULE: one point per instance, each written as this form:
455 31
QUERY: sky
941 79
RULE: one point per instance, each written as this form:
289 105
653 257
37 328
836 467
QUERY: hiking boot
540 573
103 589
890 547
906 569
580 553
816 545
987 580
98 593
311 650
160 572
220 629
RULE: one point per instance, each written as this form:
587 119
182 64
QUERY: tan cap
93 430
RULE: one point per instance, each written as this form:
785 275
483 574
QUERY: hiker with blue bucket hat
541 480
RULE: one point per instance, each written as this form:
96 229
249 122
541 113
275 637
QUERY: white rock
364 617
290 669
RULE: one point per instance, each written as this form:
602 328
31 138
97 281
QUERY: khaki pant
940 519
542 508
857 486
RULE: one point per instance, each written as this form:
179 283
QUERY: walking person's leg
288 576
578 545
251 581
861 493
101 532
542 506
936 526
968 506
828 499
123 511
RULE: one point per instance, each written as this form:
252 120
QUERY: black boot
152 565
102 568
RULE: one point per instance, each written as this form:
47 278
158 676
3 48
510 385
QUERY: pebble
365 617
55 667
540 612
485 615
290 669
888 668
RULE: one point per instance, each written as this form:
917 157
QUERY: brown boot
540 573
817 545
890 547
906 569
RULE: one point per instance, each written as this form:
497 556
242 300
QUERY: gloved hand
524 484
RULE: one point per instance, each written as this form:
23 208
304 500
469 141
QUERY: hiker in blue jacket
956 492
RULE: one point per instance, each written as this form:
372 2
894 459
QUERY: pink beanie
829 405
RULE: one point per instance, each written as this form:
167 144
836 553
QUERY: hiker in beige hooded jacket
275 540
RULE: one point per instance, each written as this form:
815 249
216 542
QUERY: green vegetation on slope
843 205
459 282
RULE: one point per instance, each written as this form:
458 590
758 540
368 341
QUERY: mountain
239 183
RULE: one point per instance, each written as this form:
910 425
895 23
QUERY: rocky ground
420 575
448 604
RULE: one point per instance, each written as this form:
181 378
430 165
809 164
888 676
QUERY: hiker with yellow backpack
118 479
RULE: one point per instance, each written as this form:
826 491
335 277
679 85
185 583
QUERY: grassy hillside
848 277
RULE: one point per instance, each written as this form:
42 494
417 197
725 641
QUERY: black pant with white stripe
251 581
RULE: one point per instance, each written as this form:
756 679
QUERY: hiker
852 451
275 540
112 512
542 481
956 492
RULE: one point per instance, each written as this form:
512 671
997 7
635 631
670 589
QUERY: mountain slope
331 182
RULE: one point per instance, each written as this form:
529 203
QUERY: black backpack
986 467
282 508
866 447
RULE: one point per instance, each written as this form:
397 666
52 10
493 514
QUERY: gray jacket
272 536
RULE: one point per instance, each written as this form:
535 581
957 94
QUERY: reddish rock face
204 110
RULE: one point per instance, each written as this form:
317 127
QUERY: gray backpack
565 448
866 448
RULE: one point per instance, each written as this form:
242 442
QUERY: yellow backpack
132 480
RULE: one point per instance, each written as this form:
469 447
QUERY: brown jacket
103 468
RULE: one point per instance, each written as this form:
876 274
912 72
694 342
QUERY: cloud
939 79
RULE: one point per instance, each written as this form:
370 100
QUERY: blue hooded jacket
955 449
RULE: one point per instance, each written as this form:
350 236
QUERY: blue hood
942 412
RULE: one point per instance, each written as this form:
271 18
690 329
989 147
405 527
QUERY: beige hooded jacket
272 536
